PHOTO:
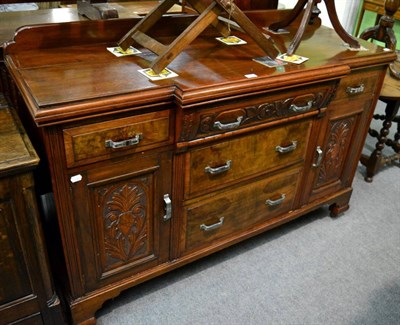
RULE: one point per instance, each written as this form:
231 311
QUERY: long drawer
219 165
243 113
239 209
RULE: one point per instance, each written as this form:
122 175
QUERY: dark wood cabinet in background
27 293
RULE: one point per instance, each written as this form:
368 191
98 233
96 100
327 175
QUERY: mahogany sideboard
27 294
150 175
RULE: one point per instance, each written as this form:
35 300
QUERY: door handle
320 155
168 207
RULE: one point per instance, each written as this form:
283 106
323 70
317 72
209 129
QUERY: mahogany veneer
201 161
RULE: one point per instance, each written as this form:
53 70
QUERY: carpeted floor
314 270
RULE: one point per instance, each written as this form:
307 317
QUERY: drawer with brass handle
357 84
225 213
243 113
221 164
98 141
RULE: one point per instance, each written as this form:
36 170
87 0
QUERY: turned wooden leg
383 31
376 159
397 134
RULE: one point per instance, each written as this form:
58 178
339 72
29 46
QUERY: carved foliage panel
339 137
124 222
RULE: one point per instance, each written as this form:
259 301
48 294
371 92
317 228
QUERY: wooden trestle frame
208 15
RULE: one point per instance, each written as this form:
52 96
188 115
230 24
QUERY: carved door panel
120 213
335 152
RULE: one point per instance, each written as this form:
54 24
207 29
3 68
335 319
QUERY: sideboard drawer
243 113
239 209
218 165
98 141
358 84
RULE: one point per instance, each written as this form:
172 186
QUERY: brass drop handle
168 207
218 170
229 126
320 155
273 203
355 90
214 226
124 143
301 109
286 149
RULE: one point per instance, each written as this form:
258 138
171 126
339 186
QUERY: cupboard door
120 211
336 152
339 136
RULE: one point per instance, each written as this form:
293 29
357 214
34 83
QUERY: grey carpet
314 270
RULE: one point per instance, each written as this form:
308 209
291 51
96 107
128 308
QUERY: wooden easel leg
147 22
199 6
248 26
190 33
208 16
306 17
353 43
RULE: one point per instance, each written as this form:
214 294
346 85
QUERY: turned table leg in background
376 160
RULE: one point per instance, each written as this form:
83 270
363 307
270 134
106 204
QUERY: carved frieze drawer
104 140
221 164
242 113
239 209
363 83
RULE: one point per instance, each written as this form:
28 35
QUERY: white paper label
76 178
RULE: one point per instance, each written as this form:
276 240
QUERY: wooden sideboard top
16 150
69 74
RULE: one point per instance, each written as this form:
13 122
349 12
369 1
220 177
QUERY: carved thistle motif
335 150
125 223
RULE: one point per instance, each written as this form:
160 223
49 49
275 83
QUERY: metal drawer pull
301 109
219 170
320 155
273 203
123 143
289 148
355 90
214 226
168 207
218 125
